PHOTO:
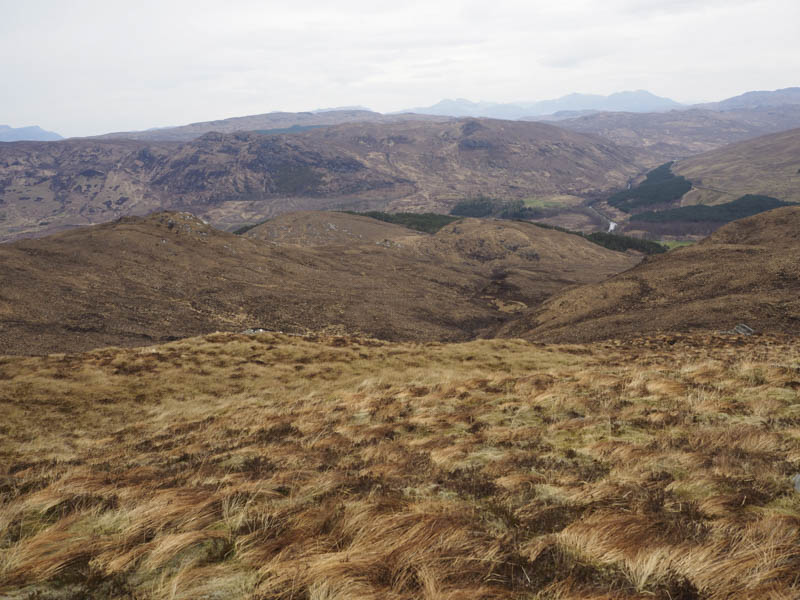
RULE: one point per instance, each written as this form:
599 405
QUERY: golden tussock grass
335 468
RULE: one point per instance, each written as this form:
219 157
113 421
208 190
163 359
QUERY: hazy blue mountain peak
628 101
32 133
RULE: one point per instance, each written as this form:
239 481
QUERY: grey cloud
565 62
678 7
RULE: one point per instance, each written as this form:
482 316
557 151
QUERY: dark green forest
425 222
746 206
661 186
613 241
484 206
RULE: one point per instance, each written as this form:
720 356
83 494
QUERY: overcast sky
83 67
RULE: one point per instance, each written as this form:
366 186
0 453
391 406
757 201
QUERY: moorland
208 393
273 466
240 171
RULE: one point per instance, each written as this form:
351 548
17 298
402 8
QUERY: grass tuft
211 467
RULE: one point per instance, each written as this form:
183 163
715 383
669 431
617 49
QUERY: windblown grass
277 467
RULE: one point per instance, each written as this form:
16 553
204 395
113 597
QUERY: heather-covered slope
682 133
747 272
276 122
768 165
170 275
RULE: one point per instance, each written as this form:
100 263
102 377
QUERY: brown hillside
681 133
758 98
767 165
264 122
523 262
507 159
412 166
170 275
241 178
47 187
747 272
329 228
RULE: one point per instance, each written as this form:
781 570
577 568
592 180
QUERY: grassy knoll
280 467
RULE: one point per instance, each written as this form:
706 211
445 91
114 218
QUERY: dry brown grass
278 467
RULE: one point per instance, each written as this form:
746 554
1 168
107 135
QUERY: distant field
557 201
675 243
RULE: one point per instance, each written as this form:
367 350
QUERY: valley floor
281 467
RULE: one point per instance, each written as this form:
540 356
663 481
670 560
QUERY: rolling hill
316 228
450 161
170 275
756 99
747 272
768 165
242 178
47 187
523 263
274 122
682 133
691 198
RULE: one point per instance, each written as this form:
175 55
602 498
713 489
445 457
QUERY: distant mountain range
572 105
33 134
231 173
640 105
340 108
242 177
576 105
637 101
759 99
269 123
